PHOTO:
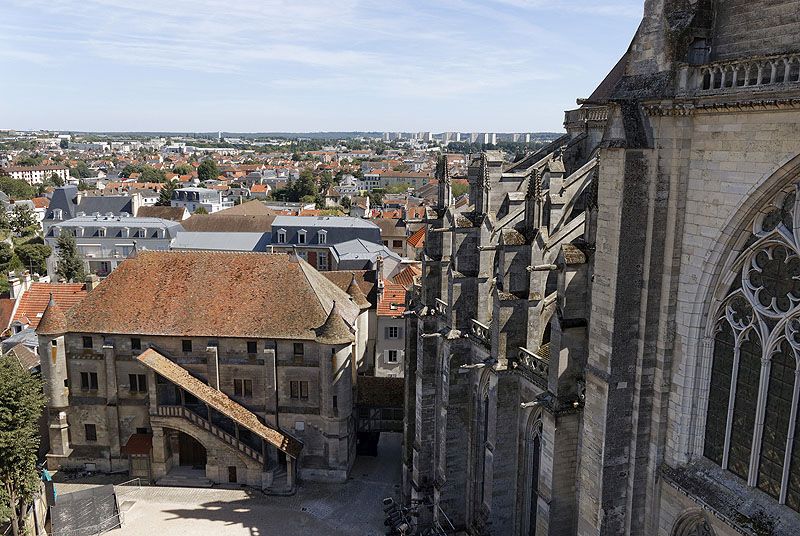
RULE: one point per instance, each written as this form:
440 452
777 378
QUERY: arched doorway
191 453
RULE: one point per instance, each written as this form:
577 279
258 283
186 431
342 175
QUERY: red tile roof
393 302
407 275
417 240
189 293
34 300
40 202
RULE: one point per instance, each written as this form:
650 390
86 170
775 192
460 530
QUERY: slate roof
218 400
221 241
152 293
228 223
64 198
103 204
35 300
334 330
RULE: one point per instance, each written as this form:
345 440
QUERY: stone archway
693 523
191 453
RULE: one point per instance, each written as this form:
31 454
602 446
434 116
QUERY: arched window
753 393
534 453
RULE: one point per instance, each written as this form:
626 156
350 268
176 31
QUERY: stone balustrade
197 420
480 331
585 115
534 362
441 307
768 72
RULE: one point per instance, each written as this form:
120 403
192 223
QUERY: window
138 383
281 236
301 236
89 381
90 430
391 356
87 342
298 390
142 430
392 332
243 387
101 232
298 349
335 402
54 343
322 261
322 237
397 243
136 343
252 347
754 359
186 346
58 214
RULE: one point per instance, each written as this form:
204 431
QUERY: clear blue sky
305 65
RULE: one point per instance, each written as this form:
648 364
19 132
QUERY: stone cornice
686 108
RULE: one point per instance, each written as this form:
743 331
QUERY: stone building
606 340
162 366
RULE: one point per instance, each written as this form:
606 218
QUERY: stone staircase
185 477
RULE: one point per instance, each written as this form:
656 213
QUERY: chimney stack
91 282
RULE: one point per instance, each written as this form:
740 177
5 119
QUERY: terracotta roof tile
53 321
254 295
417 240
34 301
407 275
393 302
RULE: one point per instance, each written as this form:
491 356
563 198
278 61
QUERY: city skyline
274 66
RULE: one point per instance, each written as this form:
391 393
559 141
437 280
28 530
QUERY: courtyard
353 507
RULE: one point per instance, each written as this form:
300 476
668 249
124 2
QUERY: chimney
379 276
26 280
15 287
91 282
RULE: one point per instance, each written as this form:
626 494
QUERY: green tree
208 170
30 160
6 254
130 168
183 169
200 210
64 143
376 197
345 202
165 196
56 180
70 263
21 403
81 171
17 189
34 257
295 157
304 186
23 220
151 174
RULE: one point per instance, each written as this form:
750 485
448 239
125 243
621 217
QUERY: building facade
242 389
37 174
195 198
105 241
604 339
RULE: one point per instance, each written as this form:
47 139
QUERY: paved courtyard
350 508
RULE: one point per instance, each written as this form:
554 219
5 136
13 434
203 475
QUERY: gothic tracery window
753 393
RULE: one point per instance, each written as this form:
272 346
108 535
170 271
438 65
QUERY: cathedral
606 339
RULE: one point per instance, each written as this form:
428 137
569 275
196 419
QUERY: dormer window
101 232
79 231
281 236
126 232
301 236
141 233
58 214
322 236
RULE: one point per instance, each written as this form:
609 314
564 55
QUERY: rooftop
322 221
281 297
